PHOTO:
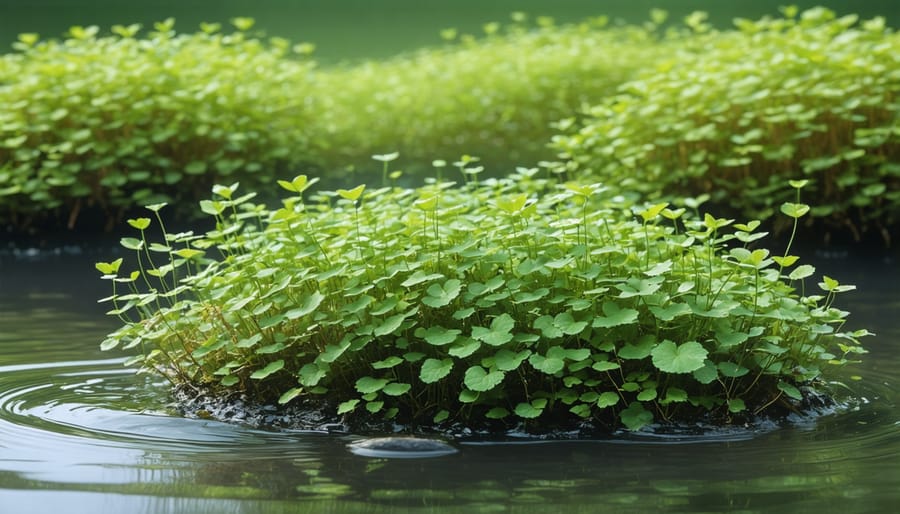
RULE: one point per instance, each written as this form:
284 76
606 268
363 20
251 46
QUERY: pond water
81 433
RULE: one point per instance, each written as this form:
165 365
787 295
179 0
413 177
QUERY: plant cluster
121 120
494 96
118 121
518 298
738 113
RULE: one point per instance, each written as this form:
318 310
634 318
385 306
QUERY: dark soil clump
319 415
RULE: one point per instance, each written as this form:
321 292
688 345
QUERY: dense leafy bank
739 113
511 299
495 96
112 122
121 120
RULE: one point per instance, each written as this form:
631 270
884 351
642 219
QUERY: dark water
357 29
79 433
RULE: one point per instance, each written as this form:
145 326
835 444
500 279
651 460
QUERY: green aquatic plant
117 121
111 122
514 299
493 95
736 114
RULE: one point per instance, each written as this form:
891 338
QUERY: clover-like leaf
498 334
389 325
639 349
464 347
347 406
289 395
653 211
547 327
310 303
802 271
794 210
437 335
532 409
635 416
671 311
567 324
615 316
478 379
607 399
685 358
497 413
139 223
440 295
366 385
351 194
706 373
420 276
387 363
507 360
312 373
790 390
270 369
736 405
674 395
547 364
434 370
512 204
396 389
109 268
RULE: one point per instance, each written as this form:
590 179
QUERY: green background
357 29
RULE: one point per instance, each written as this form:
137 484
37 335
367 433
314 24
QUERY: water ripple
95 414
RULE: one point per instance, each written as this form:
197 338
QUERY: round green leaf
478 379
635 416
396 389
434 370
672 358
366 385
531 410
272 367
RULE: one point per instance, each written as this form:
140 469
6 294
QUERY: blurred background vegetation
363 29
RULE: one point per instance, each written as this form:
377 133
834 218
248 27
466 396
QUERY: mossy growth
518 299
737 114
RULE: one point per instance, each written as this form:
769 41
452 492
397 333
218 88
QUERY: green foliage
121 120
494 96
573 303
117 121
114 121
739 113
